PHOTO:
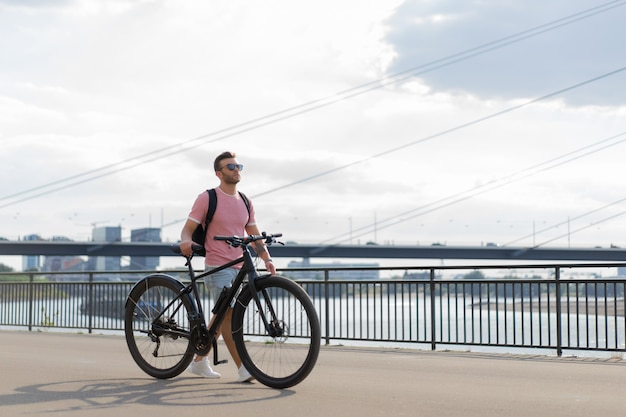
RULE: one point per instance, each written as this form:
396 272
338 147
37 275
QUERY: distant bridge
325 251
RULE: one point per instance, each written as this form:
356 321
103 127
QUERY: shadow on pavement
104 393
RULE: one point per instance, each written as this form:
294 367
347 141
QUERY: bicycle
274 323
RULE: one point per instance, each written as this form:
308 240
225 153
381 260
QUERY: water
398 321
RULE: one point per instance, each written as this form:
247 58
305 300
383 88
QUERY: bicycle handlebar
234 241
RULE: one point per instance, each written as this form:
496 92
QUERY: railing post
31 307
433 345
90 304
559 329
327 305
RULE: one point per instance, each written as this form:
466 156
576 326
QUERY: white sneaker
244 375
203 369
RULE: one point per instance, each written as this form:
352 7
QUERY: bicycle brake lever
235 242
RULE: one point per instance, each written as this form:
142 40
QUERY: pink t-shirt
230 219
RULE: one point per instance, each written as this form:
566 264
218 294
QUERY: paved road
70 375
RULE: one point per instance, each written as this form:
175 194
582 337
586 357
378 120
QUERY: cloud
574 42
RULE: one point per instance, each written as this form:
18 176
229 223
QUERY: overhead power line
444 132
290 112
580 229
580 216
481 189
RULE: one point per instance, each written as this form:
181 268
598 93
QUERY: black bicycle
275 326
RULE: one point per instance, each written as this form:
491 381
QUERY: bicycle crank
200 340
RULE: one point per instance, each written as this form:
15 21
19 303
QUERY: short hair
221 157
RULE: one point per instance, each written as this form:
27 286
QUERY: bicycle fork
272 324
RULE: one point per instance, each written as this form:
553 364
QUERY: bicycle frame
197 321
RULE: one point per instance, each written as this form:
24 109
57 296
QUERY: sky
395 122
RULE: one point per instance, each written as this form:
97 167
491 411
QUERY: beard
231 180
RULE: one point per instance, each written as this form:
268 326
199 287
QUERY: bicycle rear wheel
161 347
285 354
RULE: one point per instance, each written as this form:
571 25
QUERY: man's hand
271 268
185 248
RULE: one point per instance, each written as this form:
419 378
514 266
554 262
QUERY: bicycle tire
285 359
159 354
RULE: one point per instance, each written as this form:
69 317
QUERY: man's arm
261 249
185 237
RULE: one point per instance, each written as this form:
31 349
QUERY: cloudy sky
404 122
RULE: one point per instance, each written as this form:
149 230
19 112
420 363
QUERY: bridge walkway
47 374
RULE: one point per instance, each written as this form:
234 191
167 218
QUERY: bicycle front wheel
282 354
157 329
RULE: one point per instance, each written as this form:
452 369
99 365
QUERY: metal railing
556 307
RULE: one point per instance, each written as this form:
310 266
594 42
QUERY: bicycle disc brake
279 331
200 340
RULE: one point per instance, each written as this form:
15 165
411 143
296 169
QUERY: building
106 234
63 263
31 262
147 234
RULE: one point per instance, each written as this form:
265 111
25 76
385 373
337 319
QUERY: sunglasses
232 167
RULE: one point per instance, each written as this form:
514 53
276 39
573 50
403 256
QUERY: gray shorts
215 282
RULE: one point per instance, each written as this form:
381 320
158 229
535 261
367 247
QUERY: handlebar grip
196 248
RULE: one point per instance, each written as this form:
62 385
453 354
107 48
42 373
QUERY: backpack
199 235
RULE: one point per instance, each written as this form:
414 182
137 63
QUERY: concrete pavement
55 374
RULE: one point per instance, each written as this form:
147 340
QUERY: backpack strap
246 201
211 209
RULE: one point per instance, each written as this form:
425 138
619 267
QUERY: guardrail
556 307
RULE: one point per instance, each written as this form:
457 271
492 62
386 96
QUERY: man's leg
227 334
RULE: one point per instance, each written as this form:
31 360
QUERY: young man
232 218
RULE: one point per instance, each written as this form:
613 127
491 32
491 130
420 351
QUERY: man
232 218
